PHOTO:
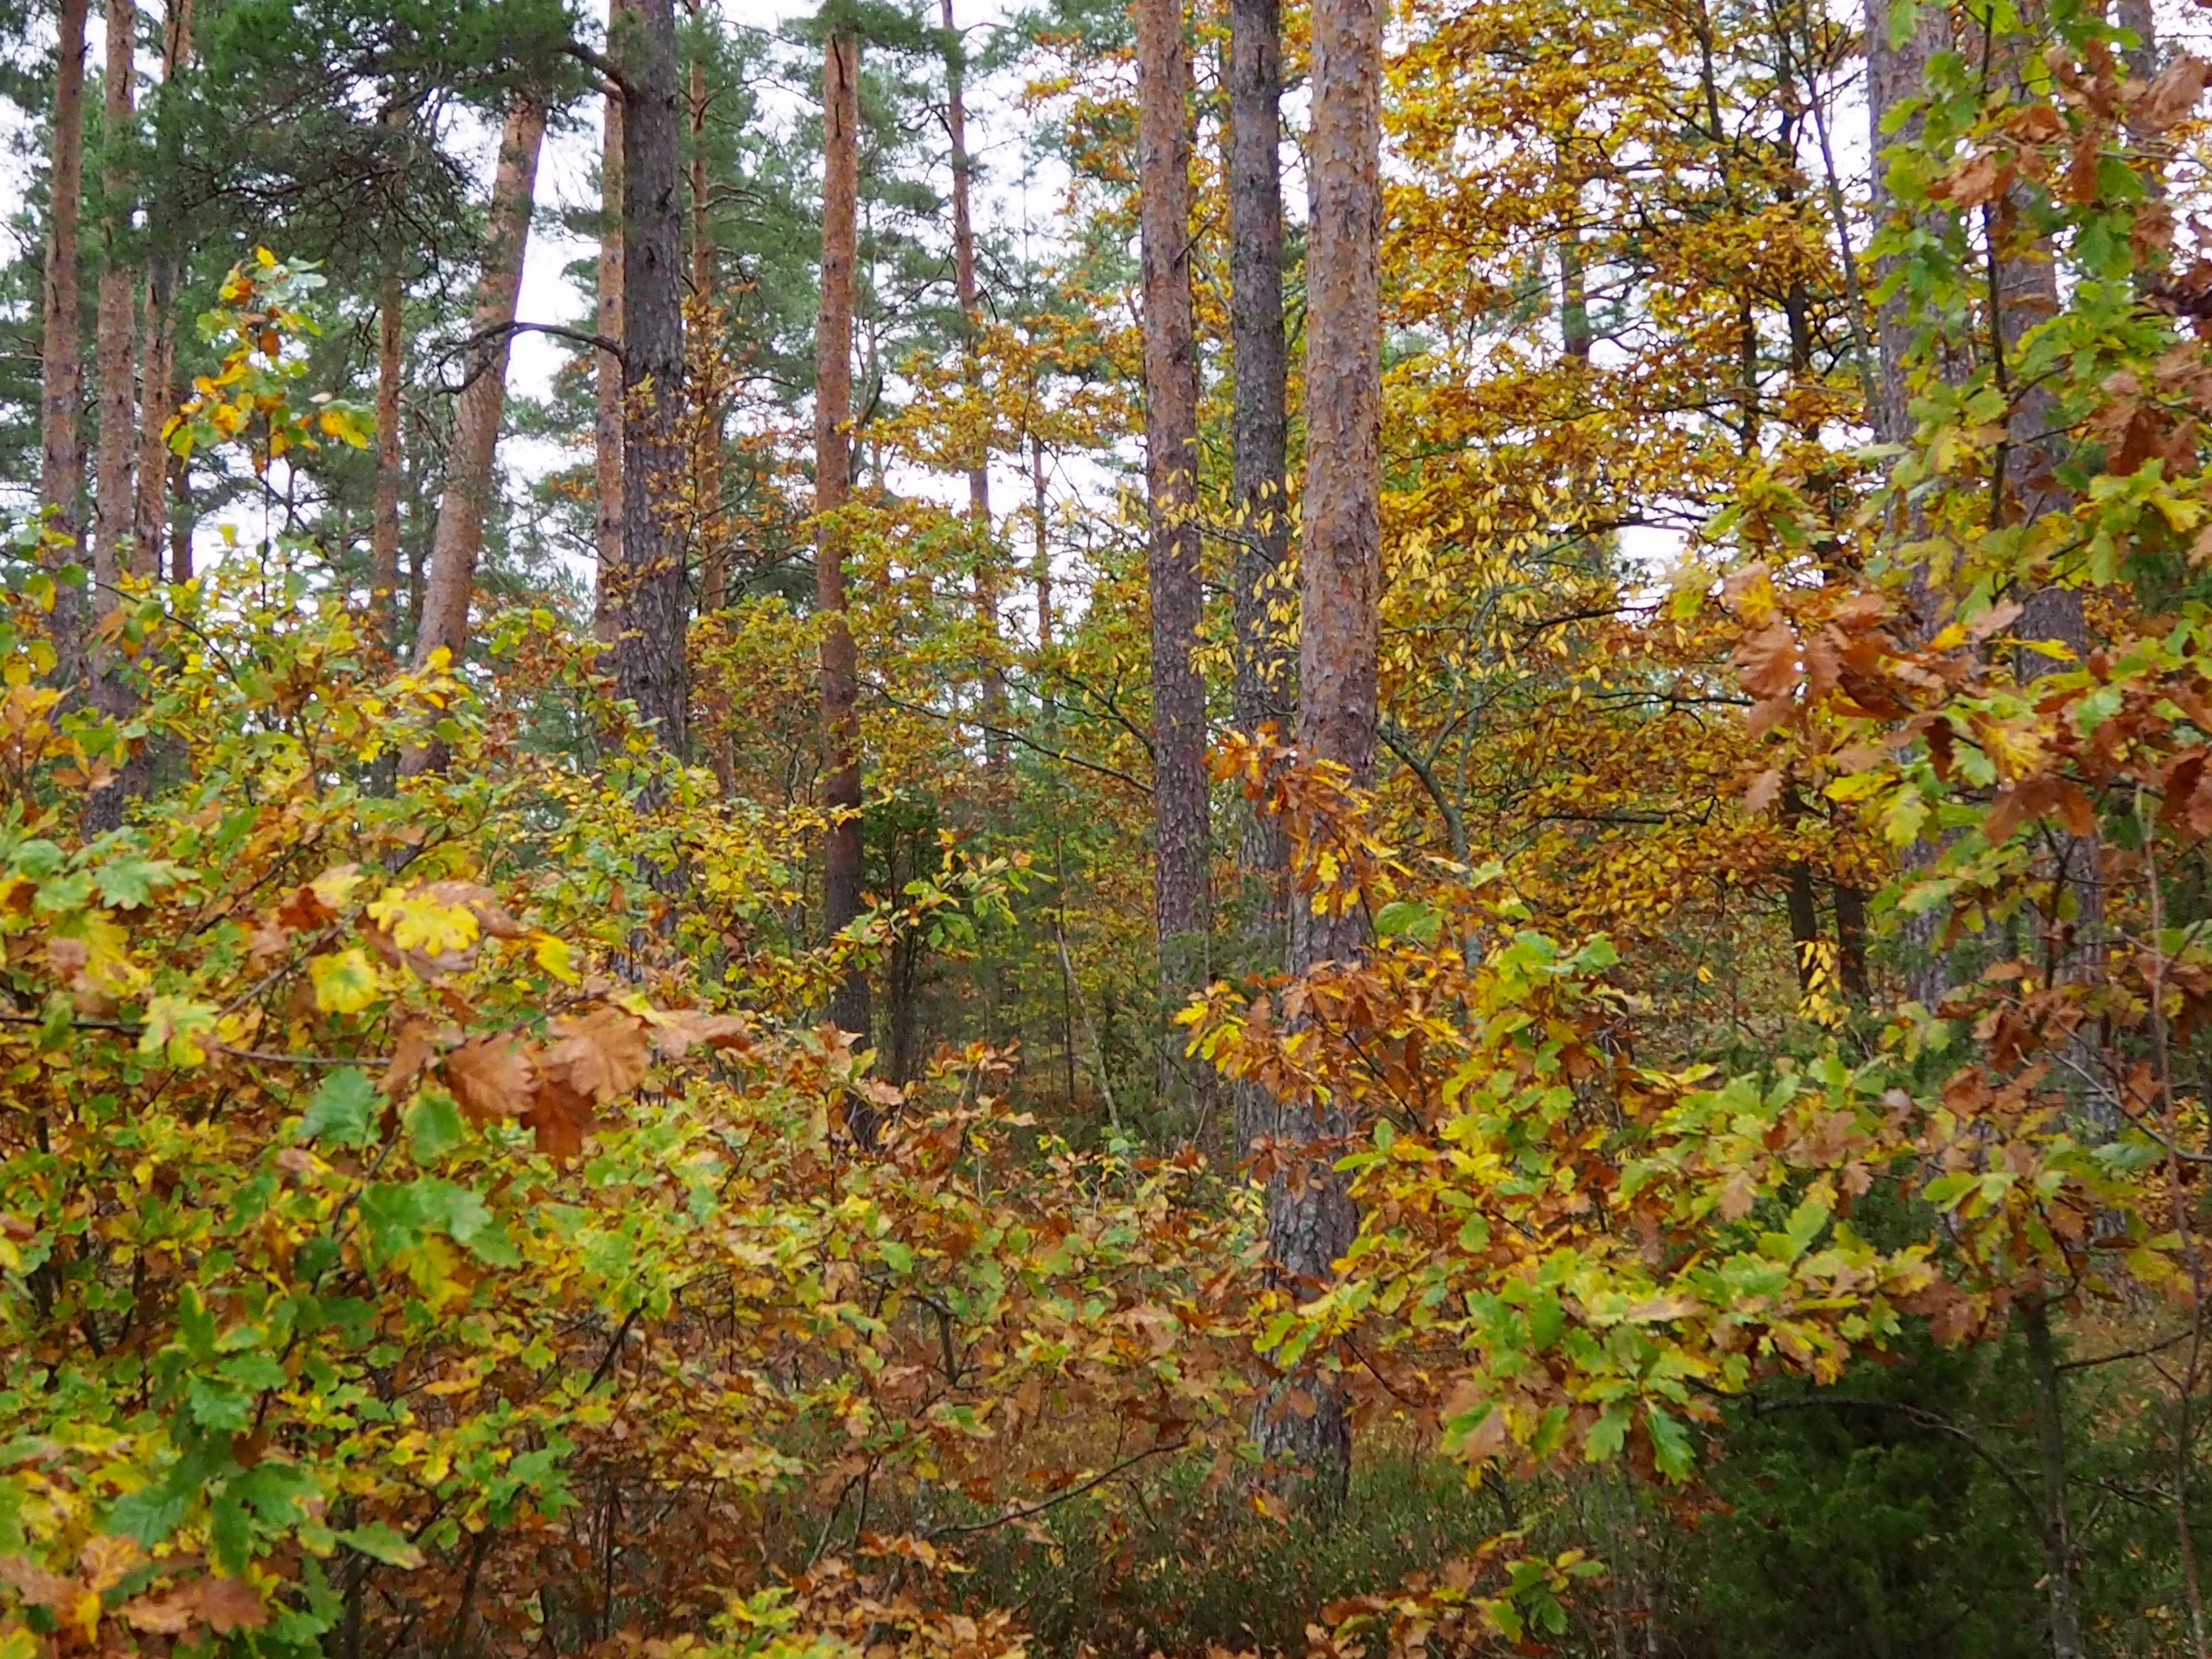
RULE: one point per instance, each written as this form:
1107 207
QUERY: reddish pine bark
971 323
61 472
157 369
1182 901
1264 689
607 367
706 471
469 472
383 521
1310 1218
833 410
115 545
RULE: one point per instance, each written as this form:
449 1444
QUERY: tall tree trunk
2061 1586
833 473
1574 297
2137 18
607 366
1897 70
61 475
383 524
649 651
1042 573
706 472
1310 1218
1181 903
1264 689
115 548
157 372
469 472
971 328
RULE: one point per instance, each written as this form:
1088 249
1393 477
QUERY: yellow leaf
345 980
554 955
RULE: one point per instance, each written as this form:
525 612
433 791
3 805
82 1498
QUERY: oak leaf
600 1054
491 1078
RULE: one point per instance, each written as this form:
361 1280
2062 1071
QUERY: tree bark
115 546
2061 1585
1264 689
648 652
1897 71
1042 573
607 366
706 470
61 473
157 371
971 329
384 523
469 475
1310 1218
833 470
1181 903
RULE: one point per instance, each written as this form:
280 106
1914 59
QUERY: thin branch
1062 1497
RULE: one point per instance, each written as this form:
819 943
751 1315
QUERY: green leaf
342 1109
129 882
433 1127
1670 1445
1408 918
380 1542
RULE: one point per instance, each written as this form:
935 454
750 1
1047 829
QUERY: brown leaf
1995 620
601 1054
229 1604
1768 659
560 1118
676 1034
1979 179
171 1614
1764 790
491 1078
411 1052
36 1586
1737 1197
2171 96
106 1560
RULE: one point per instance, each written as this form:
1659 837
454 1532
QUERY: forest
1172 829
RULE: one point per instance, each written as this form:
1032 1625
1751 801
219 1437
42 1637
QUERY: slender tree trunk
1264 689
1897 70
706 472
2136 17
1043 571
2061 1585
384 523
468 473
1181 903
1574 297
157 373
61 477
833 472
971 328
607 366
1310 1218
115 548
649 667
